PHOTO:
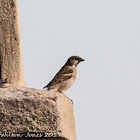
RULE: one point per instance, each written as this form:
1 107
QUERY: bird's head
74 60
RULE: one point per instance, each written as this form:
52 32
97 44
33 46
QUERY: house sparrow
64 79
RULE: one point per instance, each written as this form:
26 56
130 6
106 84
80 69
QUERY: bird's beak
81 59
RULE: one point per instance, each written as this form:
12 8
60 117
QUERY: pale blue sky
106 93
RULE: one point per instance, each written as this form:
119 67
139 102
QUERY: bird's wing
64 74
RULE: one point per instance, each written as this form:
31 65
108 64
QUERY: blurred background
106 93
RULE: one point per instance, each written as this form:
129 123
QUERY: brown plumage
66 75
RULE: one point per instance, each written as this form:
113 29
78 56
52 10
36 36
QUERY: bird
66 76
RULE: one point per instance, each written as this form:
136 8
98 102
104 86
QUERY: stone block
31 111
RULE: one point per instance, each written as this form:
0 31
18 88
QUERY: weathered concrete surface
10 48
29 110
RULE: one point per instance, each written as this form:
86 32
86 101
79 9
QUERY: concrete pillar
25 111
10 48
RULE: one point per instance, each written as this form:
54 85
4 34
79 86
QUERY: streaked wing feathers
64 74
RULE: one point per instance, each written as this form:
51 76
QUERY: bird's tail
45 87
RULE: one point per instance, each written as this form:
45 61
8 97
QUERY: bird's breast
66 84
74 72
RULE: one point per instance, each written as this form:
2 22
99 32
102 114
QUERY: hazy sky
106 33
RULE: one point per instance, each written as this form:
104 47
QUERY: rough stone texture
10 50
29 110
